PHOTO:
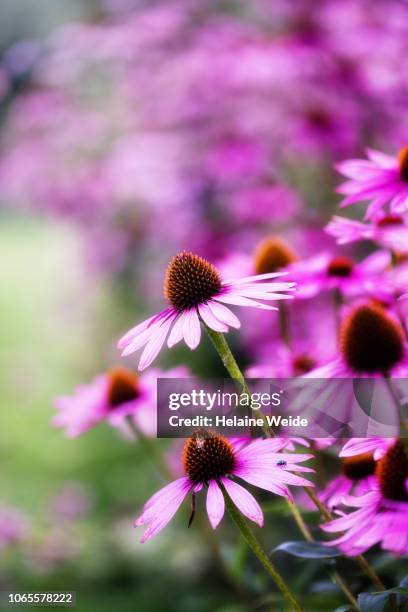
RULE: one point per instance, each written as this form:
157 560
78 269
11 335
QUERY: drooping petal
210 319
224 314
358 446
144 336
155 343
191 328
162 506
134 332
244 501
176 333
215 504
376 262
382 159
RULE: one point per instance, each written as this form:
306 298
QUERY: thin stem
341 583
303 528
227 358
360 559
368 570
150 449
259 552
284 327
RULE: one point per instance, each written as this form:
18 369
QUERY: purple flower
196 292
111 397
372 343
389 231
381 180
13 526
326 272
357 474
210 460
382 513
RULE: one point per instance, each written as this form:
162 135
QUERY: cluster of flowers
372 342
129 121
148 169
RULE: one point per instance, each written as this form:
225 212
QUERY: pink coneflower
326 272
372 343
357 473
210 460
196 292
381 515
389 231
111 397
14 526
382 179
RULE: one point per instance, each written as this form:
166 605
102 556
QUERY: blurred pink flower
111 397
390 231
382 512
71 502
326 272
357 475
210 460
372 343
382 180
14 526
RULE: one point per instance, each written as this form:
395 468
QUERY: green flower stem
150 449
221 346
259 552
227 358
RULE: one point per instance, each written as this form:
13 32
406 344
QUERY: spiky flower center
123 386
302 364
207 456
190 280
403 162
392 473
370 340
390 221
359 466
340 266
272 254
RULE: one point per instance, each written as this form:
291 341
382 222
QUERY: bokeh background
132 130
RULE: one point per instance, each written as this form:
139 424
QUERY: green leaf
382 600
308 550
